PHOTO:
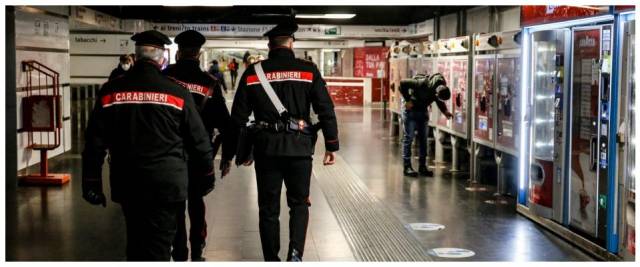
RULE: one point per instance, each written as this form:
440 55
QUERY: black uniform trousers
151 228
296 174
197 232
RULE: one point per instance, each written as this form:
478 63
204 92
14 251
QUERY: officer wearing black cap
149 125
285 142
418 94
210 102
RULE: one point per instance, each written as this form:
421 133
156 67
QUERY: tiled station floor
54 223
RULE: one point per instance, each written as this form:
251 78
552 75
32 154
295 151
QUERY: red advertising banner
370 62
624 8
533 15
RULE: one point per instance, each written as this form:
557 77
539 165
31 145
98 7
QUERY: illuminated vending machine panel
397 72
508 110
459 86
413 67
549 88
443 66
628 170
590 92
507 88
483 84
427 68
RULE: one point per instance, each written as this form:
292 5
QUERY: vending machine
397 71
453 64
496 79
569 97
427 62
627 134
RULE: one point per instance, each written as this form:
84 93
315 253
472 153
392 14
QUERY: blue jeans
414 121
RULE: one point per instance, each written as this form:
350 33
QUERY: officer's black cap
286 28
151 38
190 38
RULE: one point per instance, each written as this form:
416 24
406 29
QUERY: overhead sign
304 31
214 30
103 44
94 18
35 29
318 30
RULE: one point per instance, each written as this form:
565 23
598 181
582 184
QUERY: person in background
418 93
126 62
233 70
245 59
215 71
149 126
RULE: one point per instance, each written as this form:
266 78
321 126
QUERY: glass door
508 84
590 88
548 61
485 66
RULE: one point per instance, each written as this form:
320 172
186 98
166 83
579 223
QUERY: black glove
95 198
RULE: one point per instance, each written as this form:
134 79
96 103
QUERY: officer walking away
284 143
211 105
149 125
418 93
126 62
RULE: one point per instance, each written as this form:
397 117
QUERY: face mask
125 67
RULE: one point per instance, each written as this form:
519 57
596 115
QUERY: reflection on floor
56 224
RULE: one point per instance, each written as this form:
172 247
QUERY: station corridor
361 211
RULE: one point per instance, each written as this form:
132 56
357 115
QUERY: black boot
424 171
196 252
409 171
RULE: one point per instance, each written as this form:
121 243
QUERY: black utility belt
291 126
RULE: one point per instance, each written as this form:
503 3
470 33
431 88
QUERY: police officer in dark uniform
419 93
149 125
284 145
211 104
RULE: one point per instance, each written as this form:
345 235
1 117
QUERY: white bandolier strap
268 89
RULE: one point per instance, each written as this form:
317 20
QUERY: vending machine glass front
508 82
483 97
548 89
443 66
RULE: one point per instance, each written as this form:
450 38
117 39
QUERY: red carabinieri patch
119 98
281 76
194 88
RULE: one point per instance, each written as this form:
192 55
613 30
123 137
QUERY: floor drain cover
426 226
451 252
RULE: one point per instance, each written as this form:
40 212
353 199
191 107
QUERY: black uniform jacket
148 124
420 96
299 86
210 102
